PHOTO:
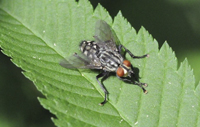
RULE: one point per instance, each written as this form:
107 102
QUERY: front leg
133 56
136 83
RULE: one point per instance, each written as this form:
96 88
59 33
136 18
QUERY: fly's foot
144 84
102 103
147 55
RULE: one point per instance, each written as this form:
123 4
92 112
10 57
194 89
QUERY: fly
105 53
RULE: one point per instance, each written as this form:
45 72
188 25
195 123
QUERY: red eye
120 72
127 63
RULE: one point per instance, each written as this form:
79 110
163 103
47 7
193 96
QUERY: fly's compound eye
127 63
120 72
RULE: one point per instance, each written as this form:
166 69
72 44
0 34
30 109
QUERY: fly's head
125 69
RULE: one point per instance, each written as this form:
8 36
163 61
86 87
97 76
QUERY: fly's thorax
110 60
124 69
89 49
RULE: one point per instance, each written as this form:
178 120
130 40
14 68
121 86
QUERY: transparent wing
80 61
105 34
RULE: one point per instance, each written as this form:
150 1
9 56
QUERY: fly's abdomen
89 49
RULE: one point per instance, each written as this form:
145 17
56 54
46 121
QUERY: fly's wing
80 61
105 36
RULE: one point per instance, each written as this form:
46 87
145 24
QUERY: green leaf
38 34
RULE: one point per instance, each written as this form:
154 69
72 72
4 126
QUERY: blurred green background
174 21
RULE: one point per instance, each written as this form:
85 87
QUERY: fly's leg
103 74
133 56
141 85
